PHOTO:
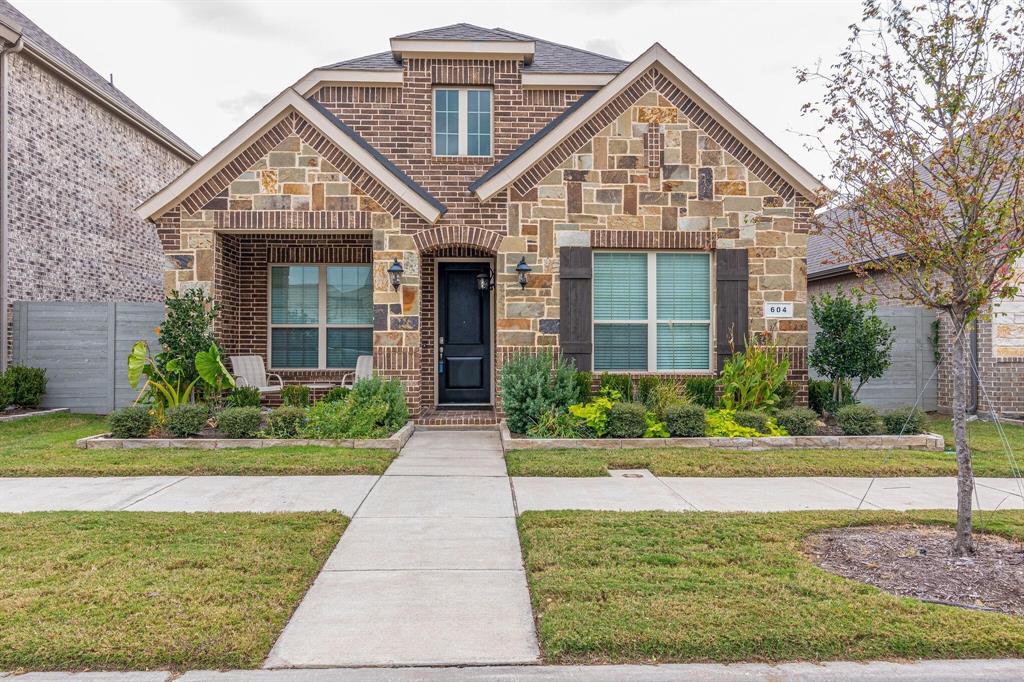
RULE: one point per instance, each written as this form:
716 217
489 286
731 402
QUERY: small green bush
337 393
584 386
798 421
6 392
627 420
240 422
785 396
556 424
26 385
859 420
374 409
686 421
702 391
533 384
244 396
904 420
819 395
722 424
752 419
186 421
295 395
622 383
131 422
285 422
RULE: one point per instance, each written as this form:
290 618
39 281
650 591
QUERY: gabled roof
517 163
460 31
45 46
346 139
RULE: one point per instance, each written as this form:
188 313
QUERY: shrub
752 420
244 396
584 386
627 420
686 421
904 420
798 421
389 393
6 393
530 387
240 422
295 395
722 424
859 420
645 386
185 421
375 408
702 391
622 383
337 393
187 330
819 395
750 379
285 422
661 394
594 414
785 396
131 422
26 385
557 424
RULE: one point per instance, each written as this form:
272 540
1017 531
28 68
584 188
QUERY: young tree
925 111
852 342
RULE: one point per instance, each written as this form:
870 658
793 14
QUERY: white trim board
318 78
694 87
279 107
488 49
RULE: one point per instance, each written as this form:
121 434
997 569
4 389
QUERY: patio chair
364 370
250 371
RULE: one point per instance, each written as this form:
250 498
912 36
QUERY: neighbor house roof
42 45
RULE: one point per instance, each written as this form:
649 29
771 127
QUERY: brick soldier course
588 152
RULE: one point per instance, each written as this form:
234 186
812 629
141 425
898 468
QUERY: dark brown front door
463 335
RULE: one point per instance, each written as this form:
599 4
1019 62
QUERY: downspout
4 317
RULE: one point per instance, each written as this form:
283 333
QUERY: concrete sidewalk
429 572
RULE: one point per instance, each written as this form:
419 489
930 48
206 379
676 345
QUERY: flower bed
923 441
104 441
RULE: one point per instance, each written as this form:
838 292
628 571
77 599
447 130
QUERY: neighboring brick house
997 342
76 157
644 215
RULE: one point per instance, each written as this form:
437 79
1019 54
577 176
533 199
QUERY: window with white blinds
321 316
652 311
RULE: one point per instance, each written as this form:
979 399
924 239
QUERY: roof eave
317 78
418 47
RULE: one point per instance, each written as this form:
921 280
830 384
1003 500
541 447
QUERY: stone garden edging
103 442
924 441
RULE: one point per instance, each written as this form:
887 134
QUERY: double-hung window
462 122
652 311
321 316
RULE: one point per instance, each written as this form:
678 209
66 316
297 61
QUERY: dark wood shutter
575 328
731 309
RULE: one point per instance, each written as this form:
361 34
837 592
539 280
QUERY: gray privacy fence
913 361
84 349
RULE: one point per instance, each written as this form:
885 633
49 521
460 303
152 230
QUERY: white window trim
652 321
463 122
322 325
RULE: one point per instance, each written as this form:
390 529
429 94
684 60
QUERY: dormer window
462 122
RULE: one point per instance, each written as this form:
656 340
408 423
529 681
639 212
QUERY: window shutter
575 328
731 309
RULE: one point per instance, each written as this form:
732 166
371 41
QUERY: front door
463 335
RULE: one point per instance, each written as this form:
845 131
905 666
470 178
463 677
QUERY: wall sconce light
396 271
485 280
522 269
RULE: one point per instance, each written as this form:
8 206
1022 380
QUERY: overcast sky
203 66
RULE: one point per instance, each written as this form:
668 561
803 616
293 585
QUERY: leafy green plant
240 422
623 383
859 420
752 419
135 421
798 421
702 391
662 394
25 385
785 396
654 427
819 396
751 379
559 424
374 409
336 393
645 385
722 424
904 421
6 392
164 388
186 420
686 421
285 422
627 420
244 396
852 343
533 384
212 371
295 395
595 413
186 331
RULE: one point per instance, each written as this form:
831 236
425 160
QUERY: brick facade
651 171
76 172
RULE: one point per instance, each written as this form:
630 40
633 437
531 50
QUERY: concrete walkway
428 573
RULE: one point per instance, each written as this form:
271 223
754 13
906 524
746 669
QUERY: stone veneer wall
76 174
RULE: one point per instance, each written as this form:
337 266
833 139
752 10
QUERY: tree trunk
963 545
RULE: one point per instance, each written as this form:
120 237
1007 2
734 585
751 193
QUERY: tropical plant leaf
137 361
211 369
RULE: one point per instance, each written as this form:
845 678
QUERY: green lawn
658 587
148 590
45 446
989 459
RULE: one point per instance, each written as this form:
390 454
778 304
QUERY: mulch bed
915 561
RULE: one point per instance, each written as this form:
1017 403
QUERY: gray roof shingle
45 42
461 31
